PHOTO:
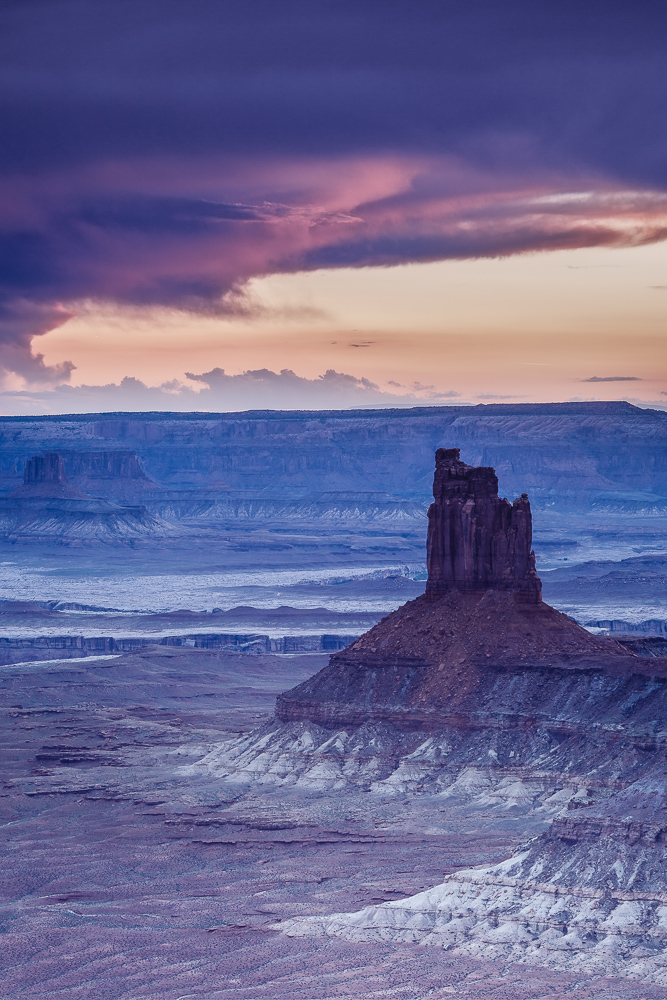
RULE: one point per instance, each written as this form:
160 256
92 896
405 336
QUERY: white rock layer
486 913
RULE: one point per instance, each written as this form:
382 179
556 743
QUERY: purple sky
159 155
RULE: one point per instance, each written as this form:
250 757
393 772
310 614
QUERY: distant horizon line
572 405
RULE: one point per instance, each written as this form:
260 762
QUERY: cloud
217 391
613 378
165 152
431 392
495 395
20 321
196 254
649 404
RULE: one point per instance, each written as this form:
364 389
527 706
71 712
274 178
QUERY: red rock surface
476 540
436 659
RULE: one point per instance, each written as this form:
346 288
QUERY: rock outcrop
44 476
476 540
589 894
516 697
116 474
48 506
437 658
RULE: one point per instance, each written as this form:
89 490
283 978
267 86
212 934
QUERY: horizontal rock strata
590 894
21 649
48 506
430 663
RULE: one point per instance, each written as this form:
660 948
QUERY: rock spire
476 539
434 661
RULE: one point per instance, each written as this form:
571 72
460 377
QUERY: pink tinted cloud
186 232
360 214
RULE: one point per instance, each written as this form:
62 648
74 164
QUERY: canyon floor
129 872
157 826
132 870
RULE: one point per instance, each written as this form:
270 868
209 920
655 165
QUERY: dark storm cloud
117 77
167 151
155 215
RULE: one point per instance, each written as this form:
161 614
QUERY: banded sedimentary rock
477 540
47 506
44 476
480 696
105 465
118 475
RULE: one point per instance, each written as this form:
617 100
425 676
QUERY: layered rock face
116 474
589 894
514 698
48 506
536 445
105 465
44 476
476 540
438 657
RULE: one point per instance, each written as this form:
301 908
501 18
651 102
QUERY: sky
321 203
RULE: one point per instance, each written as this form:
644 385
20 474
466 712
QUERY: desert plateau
274 727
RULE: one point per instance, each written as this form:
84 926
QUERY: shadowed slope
431 662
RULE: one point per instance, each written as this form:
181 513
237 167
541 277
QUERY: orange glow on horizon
532 326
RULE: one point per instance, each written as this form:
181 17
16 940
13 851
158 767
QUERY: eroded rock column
476 539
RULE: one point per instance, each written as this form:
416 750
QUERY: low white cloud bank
217 391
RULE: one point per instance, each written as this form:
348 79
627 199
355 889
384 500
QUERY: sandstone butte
480 648
44 476
48 506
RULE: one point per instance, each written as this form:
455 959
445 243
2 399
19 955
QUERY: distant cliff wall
104 464
571 452
55 647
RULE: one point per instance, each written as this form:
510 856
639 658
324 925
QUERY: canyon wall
577 452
